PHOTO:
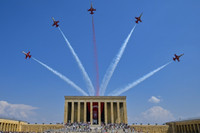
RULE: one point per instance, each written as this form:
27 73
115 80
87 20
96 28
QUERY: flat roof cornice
95 97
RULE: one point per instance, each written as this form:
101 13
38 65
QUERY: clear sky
30 92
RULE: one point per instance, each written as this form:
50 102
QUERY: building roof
95 97
186 120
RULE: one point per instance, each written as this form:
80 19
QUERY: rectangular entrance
95 113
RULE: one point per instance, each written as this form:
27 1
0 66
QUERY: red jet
138 18
91 9
27 55
177 57
55 22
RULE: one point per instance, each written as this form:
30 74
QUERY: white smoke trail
131 85
85 75
62 77
113 65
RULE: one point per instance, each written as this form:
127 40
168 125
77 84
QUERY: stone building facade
7 125
95 109
184 126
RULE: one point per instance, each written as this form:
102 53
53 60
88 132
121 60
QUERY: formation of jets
27 54
91 9
55 23
177 57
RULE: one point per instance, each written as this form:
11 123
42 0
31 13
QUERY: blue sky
168 27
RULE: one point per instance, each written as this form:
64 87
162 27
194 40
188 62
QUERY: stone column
198 127
78 111
72 111
177 128
85 113
182 130
185 129
8 128
11 128
91 113
118 113
193 127
112 114
1 126
16 128
66 112
105 112
99 112
188 128
4 127
125 112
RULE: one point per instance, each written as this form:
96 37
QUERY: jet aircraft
27 54
177 57
55 22
91 9
138 18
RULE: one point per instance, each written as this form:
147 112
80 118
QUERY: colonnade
8 127
185 126
188 128
104 109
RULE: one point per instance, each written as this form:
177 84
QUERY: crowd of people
86 127
116 128
78 127
104 128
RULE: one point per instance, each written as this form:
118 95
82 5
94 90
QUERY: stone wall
40 127
151 128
